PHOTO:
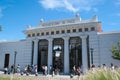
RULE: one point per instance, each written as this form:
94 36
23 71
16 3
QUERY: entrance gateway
74 57
73 37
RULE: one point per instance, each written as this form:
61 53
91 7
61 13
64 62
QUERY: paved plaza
41 77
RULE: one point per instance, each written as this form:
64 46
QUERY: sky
16 14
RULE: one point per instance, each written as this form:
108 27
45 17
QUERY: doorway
6 61
75 46
42 54
58 62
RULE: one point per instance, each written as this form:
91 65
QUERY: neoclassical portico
66 53
73 37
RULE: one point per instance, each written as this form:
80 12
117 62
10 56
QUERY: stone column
35 57
66 55
84 54
50 53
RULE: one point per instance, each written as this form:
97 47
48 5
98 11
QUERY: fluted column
35 57
50 55
66 55
84 53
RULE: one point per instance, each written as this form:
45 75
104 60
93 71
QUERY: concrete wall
106 40
100 42
93 43
23 49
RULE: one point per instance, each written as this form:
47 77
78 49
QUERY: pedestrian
78 71
45 70
18 69
74 70
50 69
112 66
26 69
92 67
5 70
12 68
35 68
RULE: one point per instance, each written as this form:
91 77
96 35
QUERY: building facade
76 39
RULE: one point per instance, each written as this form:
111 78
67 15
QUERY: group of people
18 70
12 70
30 69
103 66
76 70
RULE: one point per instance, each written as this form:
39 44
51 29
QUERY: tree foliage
116 51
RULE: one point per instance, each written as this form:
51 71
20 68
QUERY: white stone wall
23 49
106 40
93 43
100 42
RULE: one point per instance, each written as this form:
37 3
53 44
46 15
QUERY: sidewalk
41 77
1 72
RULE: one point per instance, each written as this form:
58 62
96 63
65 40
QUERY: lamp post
57 55
15 60
91 49
57 52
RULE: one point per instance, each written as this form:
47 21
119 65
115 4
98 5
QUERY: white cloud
3 40
51 3
71 5
113 23
95 9
117 2
118 14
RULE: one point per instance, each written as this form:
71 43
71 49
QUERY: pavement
54 77
1 72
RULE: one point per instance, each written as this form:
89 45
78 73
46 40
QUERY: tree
116 51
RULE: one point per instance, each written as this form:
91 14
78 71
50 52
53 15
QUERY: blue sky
16 14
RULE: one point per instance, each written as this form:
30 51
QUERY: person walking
45 70
78 71
18 69
12 68
5 70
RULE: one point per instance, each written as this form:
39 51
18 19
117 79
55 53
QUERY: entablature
71 26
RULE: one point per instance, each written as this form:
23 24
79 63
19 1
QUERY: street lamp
91 49
57 52
15 60
57 55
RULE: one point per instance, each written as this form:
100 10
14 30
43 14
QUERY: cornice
60 27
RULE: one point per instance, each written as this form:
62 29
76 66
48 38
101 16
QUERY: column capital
36 40
83 36
66 38
50 39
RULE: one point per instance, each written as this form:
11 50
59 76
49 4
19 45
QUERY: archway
75 46
58 42
42 54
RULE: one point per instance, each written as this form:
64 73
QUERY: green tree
116 51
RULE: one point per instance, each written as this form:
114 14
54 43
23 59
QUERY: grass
96 74
102 74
